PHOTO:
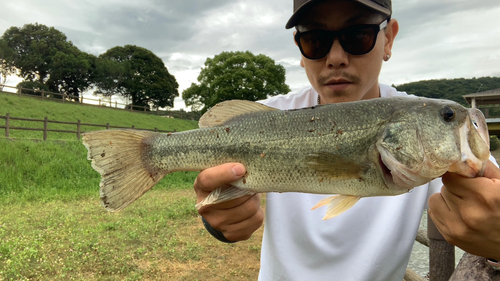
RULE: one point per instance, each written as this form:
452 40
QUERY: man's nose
337 57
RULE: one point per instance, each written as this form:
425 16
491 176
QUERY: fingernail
238 170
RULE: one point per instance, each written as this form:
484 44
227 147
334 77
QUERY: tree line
46 60
450 89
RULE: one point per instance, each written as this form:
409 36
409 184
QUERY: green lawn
52 226
35 108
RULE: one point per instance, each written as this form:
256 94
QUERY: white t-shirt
371 241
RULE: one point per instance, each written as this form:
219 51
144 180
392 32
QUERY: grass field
52 226
34 108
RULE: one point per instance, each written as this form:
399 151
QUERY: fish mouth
474 146
397 176
386 172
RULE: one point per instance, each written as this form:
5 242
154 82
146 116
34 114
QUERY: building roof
486 97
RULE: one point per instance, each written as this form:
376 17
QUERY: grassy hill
52 170
35 108
52 227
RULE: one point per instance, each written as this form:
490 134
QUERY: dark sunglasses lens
358 40
316 44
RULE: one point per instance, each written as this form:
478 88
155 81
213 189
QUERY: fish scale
355 149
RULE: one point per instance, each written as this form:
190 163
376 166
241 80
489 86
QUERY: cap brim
293 21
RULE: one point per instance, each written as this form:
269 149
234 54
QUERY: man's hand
237 219
467 212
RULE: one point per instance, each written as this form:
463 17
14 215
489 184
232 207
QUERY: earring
387 57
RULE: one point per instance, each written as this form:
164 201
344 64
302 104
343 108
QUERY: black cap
382 6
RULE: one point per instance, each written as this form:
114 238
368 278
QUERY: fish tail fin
223 194
336 204
118 155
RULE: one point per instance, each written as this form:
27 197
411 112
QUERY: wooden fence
46 129
45 95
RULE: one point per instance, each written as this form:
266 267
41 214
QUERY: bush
35 86
494 143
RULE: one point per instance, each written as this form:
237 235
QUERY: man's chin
338 96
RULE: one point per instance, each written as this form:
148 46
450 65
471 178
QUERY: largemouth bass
378 147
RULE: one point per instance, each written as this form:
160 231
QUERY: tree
451 89
43 54
236 75
72 72
7 62
35 45
136 73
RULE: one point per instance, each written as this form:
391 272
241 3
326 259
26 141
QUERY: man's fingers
464 187
448 221
241 209
240 223
218 176
243 230
491 171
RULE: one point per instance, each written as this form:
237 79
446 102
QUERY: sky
437 38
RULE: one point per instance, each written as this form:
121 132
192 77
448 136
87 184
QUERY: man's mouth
338 84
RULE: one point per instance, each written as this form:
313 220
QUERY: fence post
43 92
107 126
19 91
99 102
78 124
131 107
133 127
441 254
45 127
82 100
116 104
156 129
7 121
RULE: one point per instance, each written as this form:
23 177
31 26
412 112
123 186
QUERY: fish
350 150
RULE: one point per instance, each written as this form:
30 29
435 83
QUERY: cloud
437 39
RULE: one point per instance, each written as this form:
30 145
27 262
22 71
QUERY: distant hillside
34 108
451 89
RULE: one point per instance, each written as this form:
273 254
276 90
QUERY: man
343 45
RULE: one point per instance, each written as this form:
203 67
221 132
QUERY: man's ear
301 56
391 31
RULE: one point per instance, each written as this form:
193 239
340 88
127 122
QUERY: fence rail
46 95
46 129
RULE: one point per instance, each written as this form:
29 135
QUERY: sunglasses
356 40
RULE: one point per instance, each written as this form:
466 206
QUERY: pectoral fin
336 204
336 166
223 194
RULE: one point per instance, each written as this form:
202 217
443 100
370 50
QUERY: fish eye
448 114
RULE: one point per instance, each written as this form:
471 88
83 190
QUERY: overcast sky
437 38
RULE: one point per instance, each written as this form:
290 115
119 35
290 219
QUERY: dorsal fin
226 110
